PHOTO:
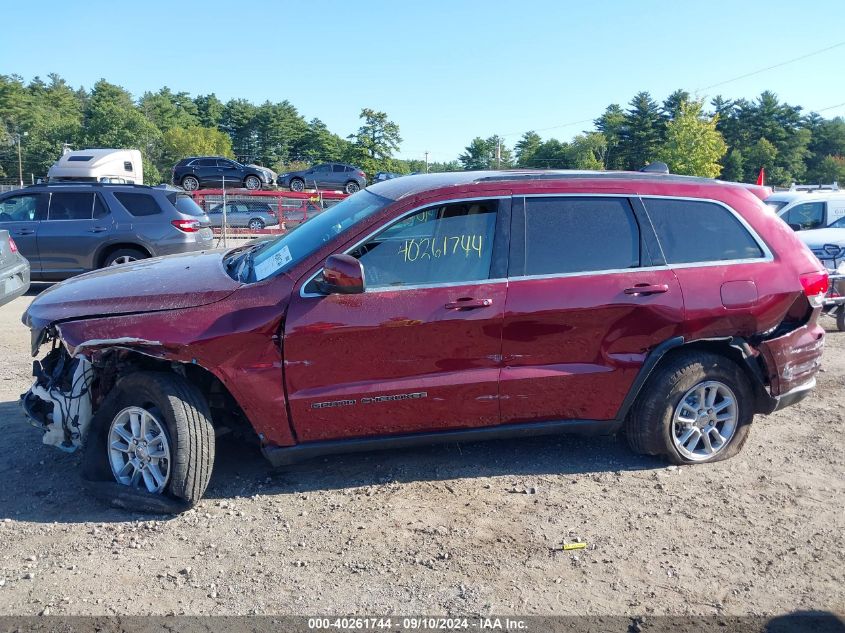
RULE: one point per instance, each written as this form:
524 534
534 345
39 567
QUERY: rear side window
573 235
71 206
138 204
338 169
692 231
185 204
809 215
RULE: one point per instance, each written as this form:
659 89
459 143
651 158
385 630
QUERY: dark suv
341 176
442 307
216 172
70 228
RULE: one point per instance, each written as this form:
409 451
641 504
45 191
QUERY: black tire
297 184
840 319
352 187
256 224
124 256
190 183
253 183
648 426
185 413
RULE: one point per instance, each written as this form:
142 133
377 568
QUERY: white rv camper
98 165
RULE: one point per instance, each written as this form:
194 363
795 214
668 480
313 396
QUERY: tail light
362 174
13 246
187 226
271 213
815 286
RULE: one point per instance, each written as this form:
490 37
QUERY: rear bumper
794 395
14 282
793 359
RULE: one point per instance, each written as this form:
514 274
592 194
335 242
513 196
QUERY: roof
404 186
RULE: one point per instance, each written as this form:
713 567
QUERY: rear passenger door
723 267
588 298
21 215
77 223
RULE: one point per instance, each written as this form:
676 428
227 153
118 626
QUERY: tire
297 184
252 183
124 256
182 411
840 319
190 183
352 187
256 224
651 427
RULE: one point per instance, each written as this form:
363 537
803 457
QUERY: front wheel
297 184
252 182
352 187
190 183
696 407
153 433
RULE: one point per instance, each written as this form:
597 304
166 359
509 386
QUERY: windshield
839 224
286 251
775 205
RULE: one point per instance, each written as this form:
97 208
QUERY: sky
444 71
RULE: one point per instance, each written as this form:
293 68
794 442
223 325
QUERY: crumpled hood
162 283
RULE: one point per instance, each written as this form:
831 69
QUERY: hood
816 238
162 283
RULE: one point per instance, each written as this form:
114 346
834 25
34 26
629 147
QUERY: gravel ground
460 530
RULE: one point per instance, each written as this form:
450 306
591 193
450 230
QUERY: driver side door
420 349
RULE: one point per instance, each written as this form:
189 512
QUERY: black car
216 172
347 178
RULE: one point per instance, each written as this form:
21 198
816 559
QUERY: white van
812 210
119 166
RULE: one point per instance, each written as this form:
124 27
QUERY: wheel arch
108 249
735 348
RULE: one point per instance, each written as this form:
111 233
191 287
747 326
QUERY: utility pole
20 161
426 162
498 153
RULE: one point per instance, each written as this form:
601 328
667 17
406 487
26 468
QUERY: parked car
804 211
347 178
69 228
252 214
385 175
826 243
441 307
14 270
216 172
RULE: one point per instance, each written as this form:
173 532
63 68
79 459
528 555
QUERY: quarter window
697 231
71 206
809 215
452 243
574 235
19 209
338 169
138 204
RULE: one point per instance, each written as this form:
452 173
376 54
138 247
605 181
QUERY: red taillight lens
187 226
815 286
362 174
12 245
271 213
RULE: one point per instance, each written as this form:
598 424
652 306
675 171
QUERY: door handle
98 229
468 303
647 289
25 232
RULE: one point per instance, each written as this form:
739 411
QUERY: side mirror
342 274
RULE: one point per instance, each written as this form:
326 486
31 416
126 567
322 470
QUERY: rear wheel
696 407
252 182
190 183
352 187
297 184
256 224
153 433
124 256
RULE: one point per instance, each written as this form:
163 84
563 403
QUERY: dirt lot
470 529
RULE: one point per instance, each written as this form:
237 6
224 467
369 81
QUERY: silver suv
70 228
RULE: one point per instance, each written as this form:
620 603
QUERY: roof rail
656 168
78 183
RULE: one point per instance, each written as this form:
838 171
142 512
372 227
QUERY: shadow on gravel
43 484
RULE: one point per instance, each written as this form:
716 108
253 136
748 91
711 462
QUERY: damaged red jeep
456 306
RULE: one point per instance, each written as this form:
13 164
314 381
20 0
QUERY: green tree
673 104
830 169
732 166
167 110
489 153
588 151
611 124
318 144
238 120
693 145
209 110
642 133
372 146
763 155
179 142
526 147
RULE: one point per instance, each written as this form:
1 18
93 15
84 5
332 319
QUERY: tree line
731 139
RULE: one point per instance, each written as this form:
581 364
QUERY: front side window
19 208
71 206
138 204
809 215
575 235
323 168
452 243
695 231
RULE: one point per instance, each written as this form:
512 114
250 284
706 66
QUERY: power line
554 127
838 105
767 68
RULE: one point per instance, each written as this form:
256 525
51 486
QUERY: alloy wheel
139 452
190 183
123 259
252 182
705 420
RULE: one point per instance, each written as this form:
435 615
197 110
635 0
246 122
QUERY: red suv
454 306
